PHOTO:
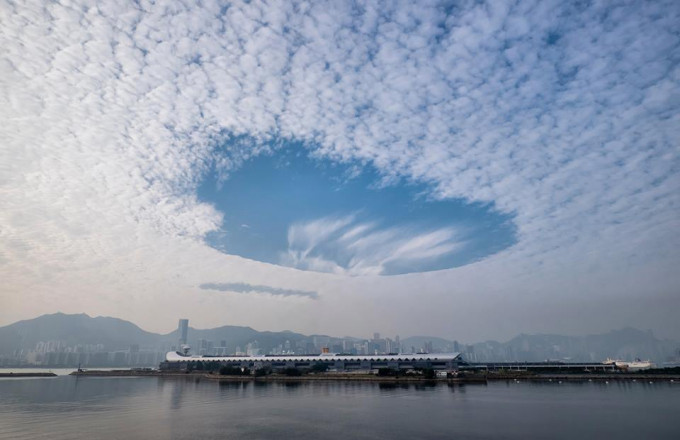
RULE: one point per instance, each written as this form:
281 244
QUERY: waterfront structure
541 367
337 362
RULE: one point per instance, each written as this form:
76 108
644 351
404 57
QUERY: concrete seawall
17 375
476 378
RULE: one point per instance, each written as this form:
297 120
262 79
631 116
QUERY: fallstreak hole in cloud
317 215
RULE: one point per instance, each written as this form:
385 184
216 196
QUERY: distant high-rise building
183 331
204 346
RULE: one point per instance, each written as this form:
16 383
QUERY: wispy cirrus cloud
256 289
346 245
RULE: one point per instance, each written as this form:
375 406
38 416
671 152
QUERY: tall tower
183 330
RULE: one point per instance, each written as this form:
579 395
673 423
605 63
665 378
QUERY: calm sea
164 408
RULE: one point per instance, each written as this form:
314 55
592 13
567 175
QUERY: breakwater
34 374
273 377
472 378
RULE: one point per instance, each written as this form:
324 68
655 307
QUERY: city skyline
80 340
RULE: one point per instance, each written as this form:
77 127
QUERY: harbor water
67 407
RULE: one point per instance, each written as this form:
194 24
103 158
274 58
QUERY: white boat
635 365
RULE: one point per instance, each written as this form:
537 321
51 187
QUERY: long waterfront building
340 362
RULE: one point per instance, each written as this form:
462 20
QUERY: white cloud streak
250 289
347 246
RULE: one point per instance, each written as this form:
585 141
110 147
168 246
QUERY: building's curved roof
173 356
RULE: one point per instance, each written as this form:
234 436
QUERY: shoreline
274 377
476 379
34 374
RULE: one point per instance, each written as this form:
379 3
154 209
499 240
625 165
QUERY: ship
630 366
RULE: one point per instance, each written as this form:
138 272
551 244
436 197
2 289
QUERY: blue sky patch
290 209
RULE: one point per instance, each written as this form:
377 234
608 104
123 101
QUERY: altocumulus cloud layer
563 115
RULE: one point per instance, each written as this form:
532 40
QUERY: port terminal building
404 361
338 362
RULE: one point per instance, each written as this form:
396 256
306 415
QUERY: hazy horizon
367 336
476 169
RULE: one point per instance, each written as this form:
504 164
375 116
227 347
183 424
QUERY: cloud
247 288
348 246
564 114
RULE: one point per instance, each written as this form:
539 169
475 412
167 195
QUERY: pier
537 367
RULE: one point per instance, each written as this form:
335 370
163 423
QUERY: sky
287 209
469 170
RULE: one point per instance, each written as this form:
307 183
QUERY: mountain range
113 334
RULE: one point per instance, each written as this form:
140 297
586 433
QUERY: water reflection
389 386
228 385
291 386
183 408
176 393
425 386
